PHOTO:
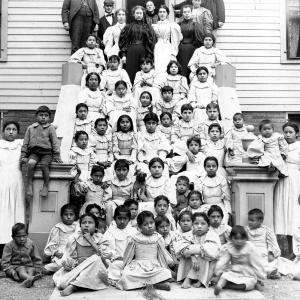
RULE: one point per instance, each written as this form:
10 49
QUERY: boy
21 260
40 145
182 192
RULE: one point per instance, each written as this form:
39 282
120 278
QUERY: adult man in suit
80 18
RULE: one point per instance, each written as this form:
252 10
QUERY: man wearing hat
108 19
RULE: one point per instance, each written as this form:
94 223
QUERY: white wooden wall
38 45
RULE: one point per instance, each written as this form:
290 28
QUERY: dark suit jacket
103 25
71 7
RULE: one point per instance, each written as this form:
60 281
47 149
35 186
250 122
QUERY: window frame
283 36
4 23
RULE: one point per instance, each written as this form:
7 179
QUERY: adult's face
162 14
138 14
121 17
187 13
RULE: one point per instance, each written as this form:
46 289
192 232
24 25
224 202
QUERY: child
201 93
59 236
40 145
84 259
161 208
82 156
133 207
182 192
21 260
114 74
185 222
166 125
117 235
145 259
240 266
93 97
287 190
184 129
264 241
119 103
216 215
103 144
168 103
198 253
194 202
91 57
100 214
175 80
270 148
145 106
214 188
12 187
207 56
146 80
233 141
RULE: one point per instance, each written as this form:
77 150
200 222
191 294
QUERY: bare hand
220 24
196 265
66 26
96 28
191 156
124 59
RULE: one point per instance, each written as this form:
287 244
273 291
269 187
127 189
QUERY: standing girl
146 260
83 260
12 202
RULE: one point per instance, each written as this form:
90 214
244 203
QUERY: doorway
132 3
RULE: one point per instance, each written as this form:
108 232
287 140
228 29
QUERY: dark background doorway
132 3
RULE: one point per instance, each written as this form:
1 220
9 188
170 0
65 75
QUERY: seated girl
166 126
145 259
100 214
133 207
185 223
145 107
59 236
198 252
162 208
194 202
240 266
83 261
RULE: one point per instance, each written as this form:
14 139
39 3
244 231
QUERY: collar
109 15
80 151
36 124
185 194
127 181
11 145
26 245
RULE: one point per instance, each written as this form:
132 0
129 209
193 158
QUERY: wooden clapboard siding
251 37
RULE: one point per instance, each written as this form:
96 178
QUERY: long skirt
185 52
133 60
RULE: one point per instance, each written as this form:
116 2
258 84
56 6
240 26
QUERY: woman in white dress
168 38
112 34
287 191
12 203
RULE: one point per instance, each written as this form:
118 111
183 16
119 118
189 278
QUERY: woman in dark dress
192 39
136 41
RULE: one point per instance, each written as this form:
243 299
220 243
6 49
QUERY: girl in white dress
168 38
287 191
12 206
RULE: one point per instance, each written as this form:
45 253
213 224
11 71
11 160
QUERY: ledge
57 171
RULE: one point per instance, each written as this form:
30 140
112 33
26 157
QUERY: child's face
156 170
214 134
187 115
88 225
212 114
138 14
125 125
20 238
68 217
150 6
82 113
82 141
133 211
290 134
174 69
200 226
91 42
95 211
238 242
254 222
187 13
145 100
161 207
121 173
196 3
121 90
151 126
102 226
122 220
185 223
238 122
148 226
163 229
215 219
10 132
194 201
43 118
101 127
194 147
181 187
167 96
108 8
166 121
267 130
113 65
93 82
97 177
146 67
208 42
202 76
211 168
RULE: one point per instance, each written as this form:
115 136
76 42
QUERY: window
3 30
